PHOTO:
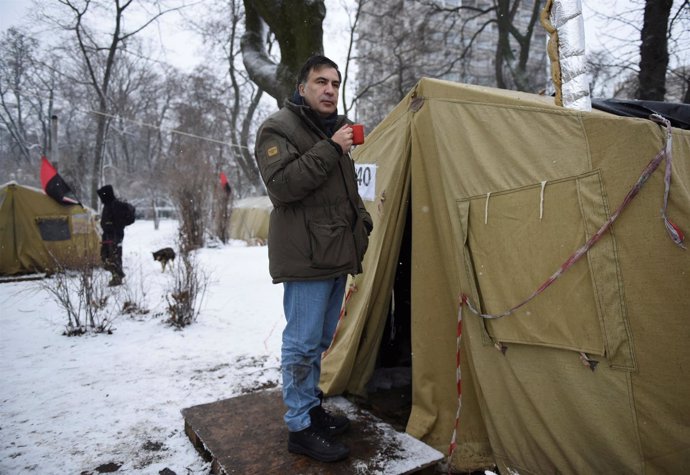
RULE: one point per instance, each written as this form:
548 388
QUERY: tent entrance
390 387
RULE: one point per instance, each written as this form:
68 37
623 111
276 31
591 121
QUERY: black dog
165 255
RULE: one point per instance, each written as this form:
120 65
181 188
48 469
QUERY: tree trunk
503 52
521 74
246 159
98 159
297 26
101 88
654 50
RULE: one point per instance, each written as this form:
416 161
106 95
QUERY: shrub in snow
131 298
83 295
187 292
191 192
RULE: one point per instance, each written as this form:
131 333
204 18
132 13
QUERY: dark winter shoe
115 281
317 445
331 424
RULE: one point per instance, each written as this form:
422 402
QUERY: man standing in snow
318 233
114 217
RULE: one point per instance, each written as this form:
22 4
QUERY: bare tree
26 96
488 42
296 26
395 47
658 62
354 18
515 22
678 77
506 16
99 60
201 113
223 30
678 84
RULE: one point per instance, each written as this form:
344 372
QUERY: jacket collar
326 127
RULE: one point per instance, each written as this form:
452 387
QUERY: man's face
321 90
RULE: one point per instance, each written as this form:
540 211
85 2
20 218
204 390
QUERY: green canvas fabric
37 234
503 187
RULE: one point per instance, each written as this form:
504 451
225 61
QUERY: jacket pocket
330 244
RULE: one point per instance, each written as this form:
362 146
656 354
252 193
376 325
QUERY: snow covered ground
83 405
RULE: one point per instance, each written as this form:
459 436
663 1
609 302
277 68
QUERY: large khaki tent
502 188
37 234
249 219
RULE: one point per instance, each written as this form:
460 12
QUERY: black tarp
678 114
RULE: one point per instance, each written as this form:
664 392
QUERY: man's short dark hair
316 62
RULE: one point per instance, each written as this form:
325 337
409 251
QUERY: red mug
357 134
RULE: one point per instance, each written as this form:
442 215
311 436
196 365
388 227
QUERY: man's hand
343 137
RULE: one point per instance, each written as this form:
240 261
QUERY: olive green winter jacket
319 228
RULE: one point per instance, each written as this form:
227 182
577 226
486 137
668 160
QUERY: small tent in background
249 219
499 189
37 234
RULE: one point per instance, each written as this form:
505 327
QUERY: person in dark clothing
318 234
112 224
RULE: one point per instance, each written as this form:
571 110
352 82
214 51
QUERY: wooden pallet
246 435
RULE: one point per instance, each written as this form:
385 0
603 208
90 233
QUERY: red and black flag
224 183
55 186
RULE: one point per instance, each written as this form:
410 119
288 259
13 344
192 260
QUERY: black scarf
326 124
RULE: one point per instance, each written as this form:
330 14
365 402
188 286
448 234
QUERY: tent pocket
515 240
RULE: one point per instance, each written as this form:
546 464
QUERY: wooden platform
246 435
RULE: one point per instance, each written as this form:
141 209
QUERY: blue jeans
311 310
